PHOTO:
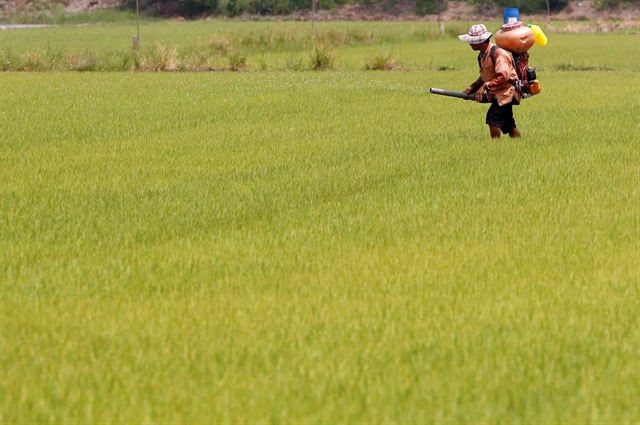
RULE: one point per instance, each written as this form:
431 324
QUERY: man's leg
500 120
510 122
495 119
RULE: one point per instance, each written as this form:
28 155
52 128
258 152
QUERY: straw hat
477 34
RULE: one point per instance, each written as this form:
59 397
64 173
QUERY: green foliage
196 8
42 11
322 57
186 8
192 8
159 58
234 7
524 6
207 45
237 60
382 62
428 7
531 6
610 4
59 17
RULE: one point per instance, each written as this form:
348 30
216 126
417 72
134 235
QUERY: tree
429 7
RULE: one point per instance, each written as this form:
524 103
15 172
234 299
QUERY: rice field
272 246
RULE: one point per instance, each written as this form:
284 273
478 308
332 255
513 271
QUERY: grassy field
322 247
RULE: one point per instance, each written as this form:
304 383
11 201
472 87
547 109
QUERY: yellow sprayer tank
538 35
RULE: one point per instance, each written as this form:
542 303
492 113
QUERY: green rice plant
270 38
294 63
382 62
159 58
360 36
103 16
32 61
281 38
221 44
7 60
453 29
57 16
264 66
322 57
198 63
237 60
355 43
55 58
291 62
572 67
86 61
303 255
299 247
256 39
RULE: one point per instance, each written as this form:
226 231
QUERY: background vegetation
230 8
525 6
191 8
217 45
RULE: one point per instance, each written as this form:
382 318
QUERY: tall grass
322 57
385 61
57 16
280 45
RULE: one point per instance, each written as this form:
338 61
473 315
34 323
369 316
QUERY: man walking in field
497 80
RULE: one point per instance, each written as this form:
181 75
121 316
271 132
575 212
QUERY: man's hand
480 92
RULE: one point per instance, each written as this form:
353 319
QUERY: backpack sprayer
517 39
459 94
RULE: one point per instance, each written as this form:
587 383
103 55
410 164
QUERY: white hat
477 34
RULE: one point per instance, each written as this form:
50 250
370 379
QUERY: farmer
497 79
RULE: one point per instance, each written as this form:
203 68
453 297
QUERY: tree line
230 8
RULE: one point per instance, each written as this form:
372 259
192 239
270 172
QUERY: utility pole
136 41
548 15
440 5
314 4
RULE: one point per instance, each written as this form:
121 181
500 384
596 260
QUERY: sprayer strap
493 52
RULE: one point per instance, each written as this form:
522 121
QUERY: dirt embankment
462 11
12 7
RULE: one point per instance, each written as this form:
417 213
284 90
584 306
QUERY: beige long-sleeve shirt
499 73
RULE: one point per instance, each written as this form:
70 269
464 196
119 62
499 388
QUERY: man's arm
502 66
473 87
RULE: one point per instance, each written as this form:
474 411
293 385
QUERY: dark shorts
501 116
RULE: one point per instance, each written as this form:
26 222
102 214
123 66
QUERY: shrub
187 8
322 57
608 4
237 60
294 63
86 61
427 7
160 58
524 6
381 62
